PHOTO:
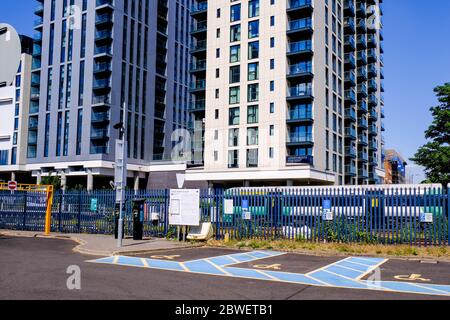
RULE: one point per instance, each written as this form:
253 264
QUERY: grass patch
337 248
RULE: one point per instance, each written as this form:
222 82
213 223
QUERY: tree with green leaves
435 155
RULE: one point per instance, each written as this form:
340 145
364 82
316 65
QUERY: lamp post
121 172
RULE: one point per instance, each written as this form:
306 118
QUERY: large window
235 93
235 53
252 158
252 136
252 114
234 117
253 92
235 74
233 159
235 13
253 8
235 33
233 138
253 29
253 71
253 50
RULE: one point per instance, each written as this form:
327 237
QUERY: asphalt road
35 268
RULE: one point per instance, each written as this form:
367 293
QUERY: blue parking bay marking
346 273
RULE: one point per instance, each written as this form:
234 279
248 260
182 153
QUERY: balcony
99 134
350 170
372 41
350 96
103 37
362 73
350 114
349 25
350 78
104 20
363 173
350 61
101 85
362 90
295 139
300 47
300 93
198 46
372 55
373 130
198 105
363 123
361 41
373 115
373 100
350 133
199 27
299 114
198 66
297 160
373 86
349 42
198 85
362 107
363 156
350 152
99 117
349 8
363 140
300 70
362 57
373 145
199 8
372 70
300 26
361 25
299 5
102 68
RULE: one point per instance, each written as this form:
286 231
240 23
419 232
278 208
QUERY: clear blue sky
417 58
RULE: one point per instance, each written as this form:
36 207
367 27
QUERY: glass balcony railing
300 24
295 4
300 68
300 46
300 138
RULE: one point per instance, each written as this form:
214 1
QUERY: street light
121 172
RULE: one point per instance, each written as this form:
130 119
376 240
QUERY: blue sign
245 204
94 205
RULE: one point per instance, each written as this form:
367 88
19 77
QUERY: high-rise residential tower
93 58
14 106
287 92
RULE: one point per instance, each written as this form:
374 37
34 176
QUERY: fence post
79 211
60 211
219 200
24 221
448 214
166 212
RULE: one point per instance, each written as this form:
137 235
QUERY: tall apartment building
286 92
14 105
91 59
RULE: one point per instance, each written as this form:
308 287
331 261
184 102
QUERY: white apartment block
270 94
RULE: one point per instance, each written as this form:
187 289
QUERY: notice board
184 208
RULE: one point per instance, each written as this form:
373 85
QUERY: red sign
12 185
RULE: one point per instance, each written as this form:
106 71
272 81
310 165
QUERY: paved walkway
101 245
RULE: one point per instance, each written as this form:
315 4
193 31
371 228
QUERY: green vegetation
435 155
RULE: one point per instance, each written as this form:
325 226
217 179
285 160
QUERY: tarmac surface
36 268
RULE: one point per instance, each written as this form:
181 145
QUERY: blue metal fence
347 215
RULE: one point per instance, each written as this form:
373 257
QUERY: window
235 13
253 29
235 93
253 71
233 138
235 33
233 159
235 53
252 158
253 50
253 92
252 136
234 117
253 8
235 74
252 114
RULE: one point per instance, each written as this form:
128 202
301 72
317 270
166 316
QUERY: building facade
287 92
395 167
14 106
91 60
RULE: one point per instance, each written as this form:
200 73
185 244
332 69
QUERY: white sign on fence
184 209
228 206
